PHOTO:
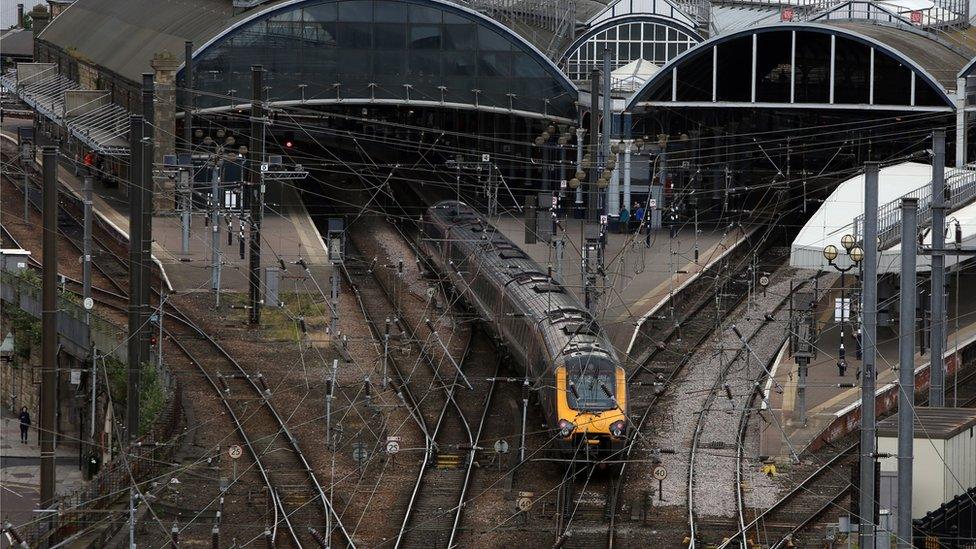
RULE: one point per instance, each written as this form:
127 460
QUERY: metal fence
104 335
145 459
960 187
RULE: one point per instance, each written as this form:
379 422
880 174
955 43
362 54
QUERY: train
557 344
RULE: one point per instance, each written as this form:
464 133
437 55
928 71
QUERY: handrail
960 184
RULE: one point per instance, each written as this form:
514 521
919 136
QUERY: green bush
151 394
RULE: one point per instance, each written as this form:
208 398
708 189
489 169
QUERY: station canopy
416 52
834 65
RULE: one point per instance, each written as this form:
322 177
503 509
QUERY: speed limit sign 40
660 473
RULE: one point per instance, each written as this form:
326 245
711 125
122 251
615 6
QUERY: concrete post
257 193
961 122
165 65
870 314
49 327
580 134
135 276
86 265
937 385
188 98
628 148
592 194
906 369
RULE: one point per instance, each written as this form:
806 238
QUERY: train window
591 383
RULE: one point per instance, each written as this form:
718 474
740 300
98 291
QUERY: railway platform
832 402
639 277
288 233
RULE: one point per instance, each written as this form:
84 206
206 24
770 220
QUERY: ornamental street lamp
856 254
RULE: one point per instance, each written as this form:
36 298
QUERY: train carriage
558 345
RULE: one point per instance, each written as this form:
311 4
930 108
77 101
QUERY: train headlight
566 427
618 428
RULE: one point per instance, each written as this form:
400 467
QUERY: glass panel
424 14
734 70
425 37
421 63
356 10
459 63
391 36
459 37
321 12
893 84
390 12
354 36
389 63
773 67
812 67
852 72
495 64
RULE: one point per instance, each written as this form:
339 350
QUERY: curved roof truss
795 65
630 18
384 52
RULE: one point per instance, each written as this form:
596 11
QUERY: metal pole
906 370
26 164
186 205
628 145
870 311
607 109
580 134
132 518
135 275
215 233
525 411
937 364
86 267
257 193
188 96
592 194
148 92
49 316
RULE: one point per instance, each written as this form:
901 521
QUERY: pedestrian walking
89 163
25 422
77 164
624 222
638 215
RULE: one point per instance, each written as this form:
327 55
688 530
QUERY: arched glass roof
649 37
804 65
424 52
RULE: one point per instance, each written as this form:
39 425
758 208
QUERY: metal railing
960 187
143 460
105 335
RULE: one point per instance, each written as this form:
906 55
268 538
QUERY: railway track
722 424
452 424
816 494
298 498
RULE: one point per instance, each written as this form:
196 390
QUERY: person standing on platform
25 423
89 163
638 215
624 221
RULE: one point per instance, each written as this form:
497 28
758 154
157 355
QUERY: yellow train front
559 347
590 403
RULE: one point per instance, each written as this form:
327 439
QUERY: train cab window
591 383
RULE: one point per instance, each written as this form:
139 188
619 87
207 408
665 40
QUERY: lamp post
856 255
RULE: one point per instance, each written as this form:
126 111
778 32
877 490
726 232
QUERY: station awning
88 115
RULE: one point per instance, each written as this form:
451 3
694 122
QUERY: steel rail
240 429
832 502
180 317
799 488
450 401
699 309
